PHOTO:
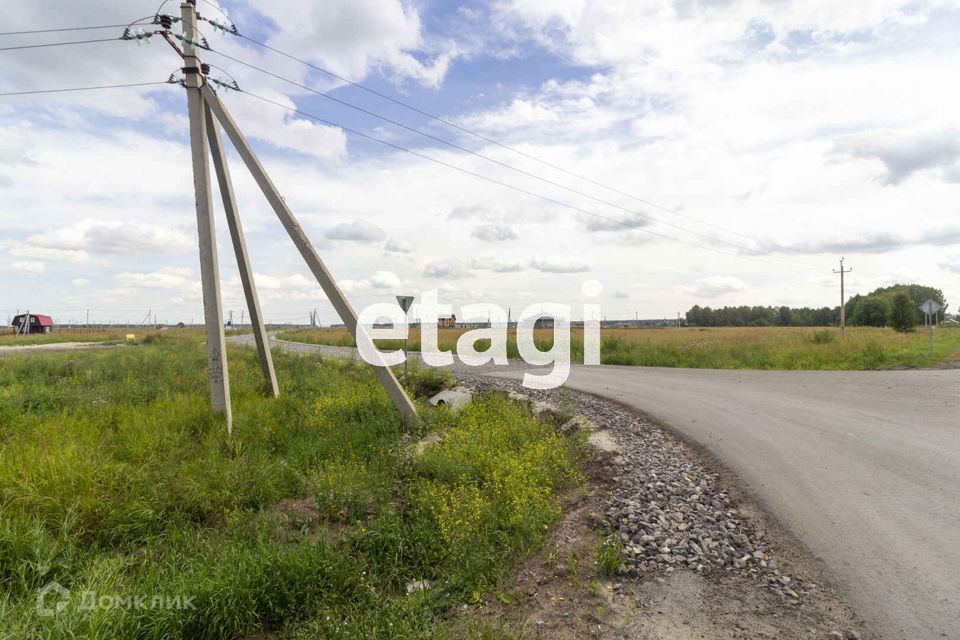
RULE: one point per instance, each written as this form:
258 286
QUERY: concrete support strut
240 249
305 247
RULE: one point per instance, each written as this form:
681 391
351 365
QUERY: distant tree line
746 316
876 309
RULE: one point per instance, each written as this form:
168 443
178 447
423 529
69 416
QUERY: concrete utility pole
209 268
843 312
303 244
240 249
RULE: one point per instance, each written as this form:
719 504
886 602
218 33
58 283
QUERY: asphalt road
862 467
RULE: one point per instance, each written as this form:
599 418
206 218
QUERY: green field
722 347
309 522
106 334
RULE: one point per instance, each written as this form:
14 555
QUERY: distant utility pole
843 312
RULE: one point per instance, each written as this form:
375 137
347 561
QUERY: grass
115 480
723 348
610 556
107 334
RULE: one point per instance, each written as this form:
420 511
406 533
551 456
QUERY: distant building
544 322
36 324
447 322
541 321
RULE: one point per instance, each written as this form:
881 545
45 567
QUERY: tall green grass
116 480
722 348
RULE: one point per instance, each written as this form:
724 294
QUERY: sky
711 152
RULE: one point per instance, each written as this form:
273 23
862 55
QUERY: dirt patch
301 518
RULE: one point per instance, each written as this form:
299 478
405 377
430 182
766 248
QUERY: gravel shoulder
701 560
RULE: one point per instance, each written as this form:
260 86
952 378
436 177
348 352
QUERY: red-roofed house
37 324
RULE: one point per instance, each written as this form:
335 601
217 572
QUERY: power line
103 86
102 26
507 185
487 158
60 44
487 139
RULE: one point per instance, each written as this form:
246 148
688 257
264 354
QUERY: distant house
446 322
36 324
543 322
540 321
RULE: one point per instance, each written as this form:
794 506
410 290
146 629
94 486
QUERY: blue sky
762 140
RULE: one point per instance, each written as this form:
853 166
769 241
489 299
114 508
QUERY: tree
872 311
903 316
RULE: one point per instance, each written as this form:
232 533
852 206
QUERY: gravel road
863 467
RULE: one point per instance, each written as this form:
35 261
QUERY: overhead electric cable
507 185
103 86
60 44
487 158
102 26
484 138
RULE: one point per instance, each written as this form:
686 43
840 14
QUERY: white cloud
76 242
356 231
497 265
44 253
713 286
28 266
397 246
904 153
560 265
804 126
380 280
446 269
493 232
618 222
354 37
172 278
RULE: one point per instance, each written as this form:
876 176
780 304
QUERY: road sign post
405 302
930 308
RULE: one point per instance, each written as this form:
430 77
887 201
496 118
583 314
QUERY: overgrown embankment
315 519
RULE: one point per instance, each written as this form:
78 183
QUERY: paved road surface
863 467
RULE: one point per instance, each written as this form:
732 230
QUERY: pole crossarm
305 247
